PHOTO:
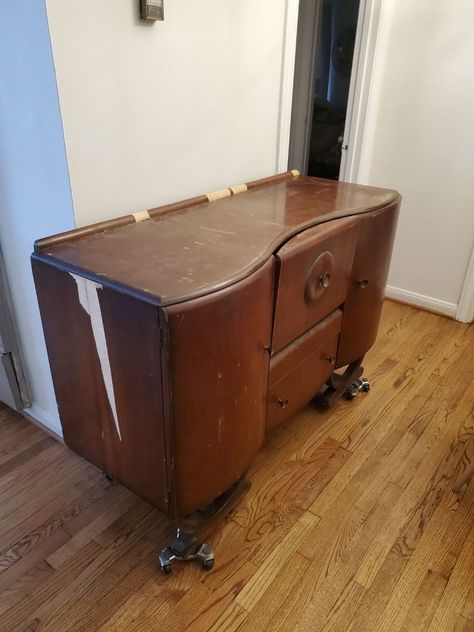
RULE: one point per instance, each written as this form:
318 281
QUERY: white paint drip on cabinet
89 299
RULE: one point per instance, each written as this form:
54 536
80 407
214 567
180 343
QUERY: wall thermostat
152 10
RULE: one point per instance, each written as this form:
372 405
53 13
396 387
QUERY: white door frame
287 79
358 105
359 92
465 310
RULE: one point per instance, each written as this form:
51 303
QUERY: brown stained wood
274 603
160 331
374 600
313 279
132 338
190 252
217 387
282 363
291 392
423 479
92 229
424 604
463 625
93 529
468 610
459 586
376 234
405 444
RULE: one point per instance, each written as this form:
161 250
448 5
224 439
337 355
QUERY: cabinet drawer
315 268
301 383
294 353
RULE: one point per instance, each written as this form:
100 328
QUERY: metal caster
208 564
167 556
187 544
362 385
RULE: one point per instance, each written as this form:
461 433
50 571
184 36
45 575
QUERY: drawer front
294 353
295 389
315 268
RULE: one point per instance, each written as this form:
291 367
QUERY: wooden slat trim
91 229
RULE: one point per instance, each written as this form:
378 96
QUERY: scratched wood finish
193 251
217 386
136 456
351 523
163 328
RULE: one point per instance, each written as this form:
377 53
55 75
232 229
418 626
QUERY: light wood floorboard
351 523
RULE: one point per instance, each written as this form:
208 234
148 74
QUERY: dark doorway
325 49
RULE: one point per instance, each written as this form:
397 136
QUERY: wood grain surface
189 252
351 523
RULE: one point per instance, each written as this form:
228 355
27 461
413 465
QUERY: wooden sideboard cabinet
178 336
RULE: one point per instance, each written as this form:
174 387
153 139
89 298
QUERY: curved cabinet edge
273 246
216 364
363 305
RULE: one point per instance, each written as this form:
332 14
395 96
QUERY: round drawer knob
283 403
331 360
319 277
325 280
363 283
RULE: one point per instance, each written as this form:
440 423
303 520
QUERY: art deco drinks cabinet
179 336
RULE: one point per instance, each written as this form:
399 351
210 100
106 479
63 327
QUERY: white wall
420 138
151 114
35 197
156 113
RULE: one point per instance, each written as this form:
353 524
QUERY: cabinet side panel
104 353
219 359
363 306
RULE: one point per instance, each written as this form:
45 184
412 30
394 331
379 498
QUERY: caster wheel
349 395
208 564
166 569
366 388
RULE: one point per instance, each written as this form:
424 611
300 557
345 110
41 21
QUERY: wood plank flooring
351 523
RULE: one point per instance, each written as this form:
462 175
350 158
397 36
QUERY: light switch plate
152 10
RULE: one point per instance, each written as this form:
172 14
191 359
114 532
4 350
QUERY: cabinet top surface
192 252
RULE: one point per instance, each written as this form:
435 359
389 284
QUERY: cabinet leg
348 384
188 543
185 547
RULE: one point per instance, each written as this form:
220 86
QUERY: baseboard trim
420 300
45 420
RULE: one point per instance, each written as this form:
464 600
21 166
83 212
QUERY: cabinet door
217 379
363 306
104 351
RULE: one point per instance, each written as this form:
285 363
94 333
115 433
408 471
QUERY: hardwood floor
351 523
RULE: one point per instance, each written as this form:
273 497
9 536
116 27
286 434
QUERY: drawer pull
282 403
325 280
363 283
331 360
319 277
